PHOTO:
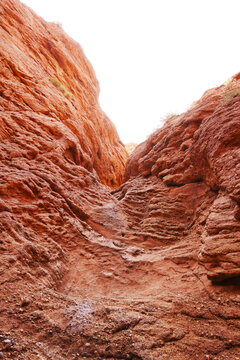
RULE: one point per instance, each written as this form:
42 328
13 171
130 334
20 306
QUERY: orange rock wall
89 271
47 85
201 148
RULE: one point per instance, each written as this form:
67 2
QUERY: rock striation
49 87
201 148
92 267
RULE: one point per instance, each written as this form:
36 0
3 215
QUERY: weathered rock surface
89 272
49 87
202 146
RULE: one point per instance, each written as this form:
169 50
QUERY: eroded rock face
202 146
48 87
91 272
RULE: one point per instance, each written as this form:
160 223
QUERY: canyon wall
95 263
47 80
200 149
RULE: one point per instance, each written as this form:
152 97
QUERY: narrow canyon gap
104 256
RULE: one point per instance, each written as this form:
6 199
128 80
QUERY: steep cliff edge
89 271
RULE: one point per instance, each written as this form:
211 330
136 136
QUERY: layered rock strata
48 87
202 147
89 271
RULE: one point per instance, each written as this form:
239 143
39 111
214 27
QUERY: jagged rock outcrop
89 271
201 147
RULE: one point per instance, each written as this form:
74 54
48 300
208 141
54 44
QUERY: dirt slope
87 272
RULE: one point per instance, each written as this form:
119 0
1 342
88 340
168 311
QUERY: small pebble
7 341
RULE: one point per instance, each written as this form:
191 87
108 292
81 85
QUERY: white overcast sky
151 57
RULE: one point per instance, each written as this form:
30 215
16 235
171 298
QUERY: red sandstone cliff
49 87
200 149
90 273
